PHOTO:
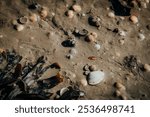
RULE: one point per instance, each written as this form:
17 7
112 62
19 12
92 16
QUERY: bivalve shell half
95 77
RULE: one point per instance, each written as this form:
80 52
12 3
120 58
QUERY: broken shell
70 14
19 27
147 67
23 20
76 8
33 18
134 19
95 77
119 86
92 58
63 90
93 68
111 15
44 13
86 67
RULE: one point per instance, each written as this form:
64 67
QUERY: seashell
23 20
70 14
63 90
95 77
44 12
76 8
147 67
119 86
19 27
92 58
97 46
33 18
111 15
134 19
93 68
81 94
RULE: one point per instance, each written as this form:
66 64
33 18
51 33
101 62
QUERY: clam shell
95 77
23 20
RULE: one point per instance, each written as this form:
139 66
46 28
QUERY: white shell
141 36
76 8
19 27
63 90
95 77
70 14
111 15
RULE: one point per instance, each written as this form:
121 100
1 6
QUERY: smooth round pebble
97 46
93 68
111 15
84 82
95 77
141 36
70 14
76 8
134 19
147 67
73 51
90 38
19 27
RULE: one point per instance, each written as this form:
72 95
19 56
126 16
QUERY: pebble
122 33
92 68
117 93
44 12
76 8
94 34
119 86
84 82
86 73
90 38
111 15
95 77
97 46
19 27
134 19
69 56
70 14
141 36
73 51
147 67
121 41
86 67
33 18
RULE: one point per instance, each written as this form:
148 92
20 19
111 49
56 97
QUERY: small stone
84 82
70 14
73 51
134 19
141 36
1 36
86 73
111 15
90 38
119 86
94 34
69 56
117 93
92 68
95 77
44 12
33 18
147 67
121 41
14 22
97 46
117 54
76 8
122 33
19 27
86 67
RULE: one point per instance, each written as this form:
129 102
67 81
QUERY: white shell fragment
19 27
95 77
97 46
141 36
76 8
